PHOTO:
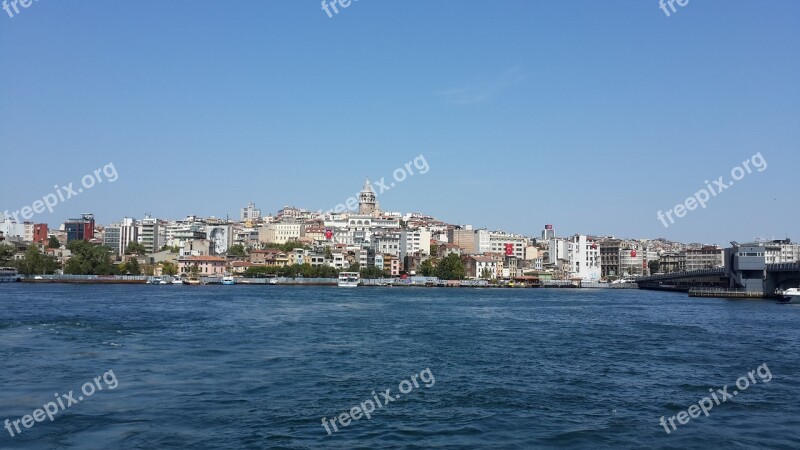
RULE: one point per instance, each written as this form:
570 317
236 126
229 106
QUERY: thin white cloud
479 93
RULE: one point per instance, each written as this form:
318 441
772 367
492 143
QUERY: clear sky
591 115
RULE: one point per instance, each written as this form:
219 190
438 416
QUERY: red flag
509 249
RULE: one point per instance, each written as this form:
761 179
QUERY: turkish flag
328 234
509 249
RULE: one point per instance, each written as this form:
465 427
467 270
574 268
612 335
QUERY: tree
487 273
451 268
52 242
88 259
7 253
132 267
653 266
168 268
34 262
237 250
426 268
135 248
328 253
372 272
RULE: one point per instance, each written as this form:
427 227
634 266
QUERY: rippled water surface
259 367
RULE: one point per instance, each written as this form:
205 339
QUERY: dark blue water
258 367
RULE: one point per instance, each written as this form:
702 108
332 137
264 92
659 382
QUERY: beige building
280 232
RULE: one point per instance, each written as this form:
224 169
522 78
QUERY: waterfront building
745 264
149 234
781 251
118 236
80 229
584 258
672 262
206 265
483 241
501 242
610 257
708 257
480 266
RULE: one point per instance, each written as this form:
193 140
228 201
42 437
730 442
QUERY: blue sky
588 115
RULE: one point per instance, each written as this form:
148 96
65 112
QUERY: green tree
168 268
135 248
34 262
7 253
426 268
237 250
451 268
52 242
487 273
132 267
653 266
372 272
88 259
328 253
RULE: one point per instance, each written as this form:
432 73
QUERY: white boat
228 280
791 295
349 279
8 275
177 281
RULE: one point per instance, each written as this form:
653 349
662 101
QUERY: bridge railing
784 267
684 274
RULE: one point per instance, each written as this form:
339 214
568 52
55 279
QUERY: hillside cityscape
378 243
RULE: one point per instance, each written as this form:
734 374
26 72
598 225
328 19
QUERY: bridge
774 277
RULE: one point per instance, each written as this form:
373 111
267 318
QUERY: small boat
228 280
158 280
791 295
177 281
8 275
349 279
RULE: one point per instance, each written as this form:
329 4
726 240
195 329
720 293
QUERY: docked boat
349 279
177 281
791 295
158 280
228 280
8 275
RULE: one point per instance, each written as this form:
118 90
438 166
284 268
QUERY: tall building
709 257
81 229
609 257
250 213
118 236
548 233
367 202
149 234
584 258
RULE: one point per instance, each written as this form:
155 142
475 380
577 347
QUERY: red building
40 233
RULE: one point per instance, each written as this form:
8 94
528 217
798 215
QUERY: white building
416 241
782 251
584 258
12 229
483 242
280 232
118 236
250 213
149 234
498 241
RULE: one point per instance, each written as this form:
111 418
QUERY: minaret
367 204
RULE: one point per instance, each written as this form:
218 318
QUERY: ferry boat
349 279
8 275
791 295
228 280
